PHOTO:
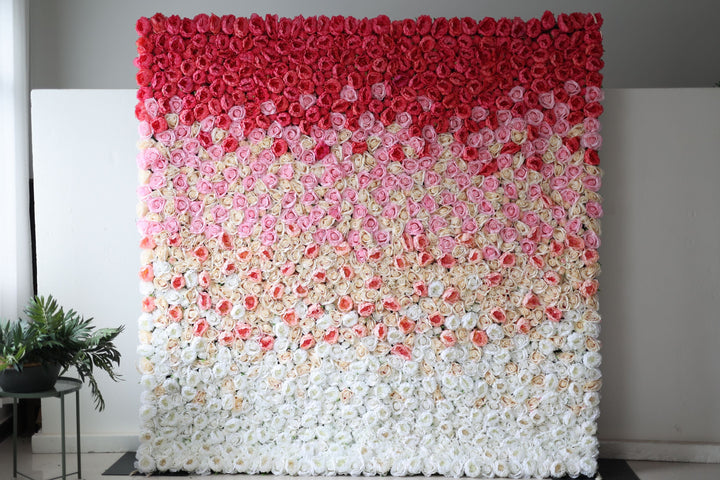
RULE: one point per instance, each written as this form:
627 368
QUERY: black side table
63 386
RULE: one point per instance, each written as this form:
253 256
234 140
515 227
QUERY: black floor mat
608 469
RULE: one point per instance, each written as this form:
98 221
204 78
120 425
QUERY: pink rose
348 94
264 201
157 181
485 207
530 218
574 225
197 226
432 179
470 226
268 237
527 246
592 183
490 184
275 130
534 192
460 210
558 183
446 244
558 212
437 223
569 196
414 227
382 237
244 230
156 204
220 214
511 211
591 140
391 211
378 91
592 241
508 234
334 237
171 225
504 160
594 94
534 117
573 171
370 223
360 211
510 190
490 252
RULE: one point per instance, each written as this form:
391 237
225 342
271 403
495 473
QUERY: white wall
659 287
648 43
87 244
661 266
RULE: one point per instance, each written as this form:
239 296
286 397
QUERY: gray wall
648 43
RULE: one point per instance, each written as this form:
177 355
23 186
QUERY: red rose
591 157
381 24
439 27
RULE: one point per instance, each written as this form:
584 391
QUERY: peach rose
497 315
479 338
365 309
345 304
331 335
242 330
307 341
402 351
448 338
267 342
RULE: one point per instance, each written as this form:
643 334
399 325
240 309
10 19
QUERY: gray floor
46 466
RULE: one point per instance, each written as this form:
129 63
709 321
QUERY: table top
63 386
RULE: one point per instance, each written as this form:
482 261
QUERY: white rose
188 355
147 412
575 341
232 281
191 279
324 322
161 268
300 356
436 288
452 322
495 332
238 311
281 329
350 319
469 320
145 350
394 336
173 297
414 312
173 330
145 322
147 288
546 329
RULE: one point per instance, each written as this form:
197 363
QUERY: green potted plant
35 351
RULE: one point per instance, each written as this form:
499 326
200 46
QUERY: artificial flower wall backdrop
369 246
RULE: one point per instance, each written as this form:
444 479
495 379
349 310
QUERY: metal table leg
77 432
62 433
15 432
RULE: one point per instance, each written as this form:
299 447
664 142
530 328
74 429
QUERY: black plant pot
32 378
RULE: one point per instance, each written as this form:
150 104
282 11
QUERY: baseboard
90 443
612 449
661 451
